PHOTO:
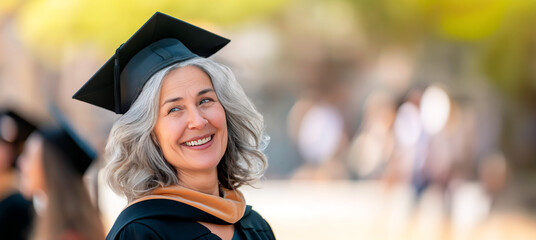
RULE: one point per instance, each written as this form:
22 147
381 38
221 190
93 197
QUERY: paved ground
367 210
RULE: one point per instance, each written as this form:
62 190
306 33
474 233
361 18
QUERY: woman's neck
205 182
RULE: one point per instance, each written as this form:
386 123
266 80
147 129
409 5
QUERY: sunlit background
389 119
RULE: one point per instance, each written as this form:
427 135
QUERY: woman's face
31 166
191 128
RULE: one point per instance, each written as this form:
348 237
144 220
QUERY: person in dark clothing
16 213
188 138
52 166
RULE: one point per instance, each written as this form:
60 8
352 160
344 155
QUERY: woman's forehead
185 80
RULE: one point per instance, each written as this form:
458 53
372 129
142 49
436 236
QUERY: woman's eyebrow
205 91
171 100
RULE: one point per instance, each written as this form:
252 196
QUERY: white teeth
199 142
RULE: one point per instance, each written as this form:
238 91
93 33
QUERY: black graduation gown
168 219
16 214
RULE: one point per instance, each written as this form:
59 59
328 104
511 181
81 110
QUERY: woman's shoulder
252 225
252 219
158 219
14 200
14 209
151 228
255 226
137 230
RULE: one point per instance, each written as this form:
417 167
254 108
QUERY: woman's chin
207 166
199 164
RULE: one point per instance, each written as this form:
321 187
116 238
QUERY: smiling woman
191 127
146 147
188 137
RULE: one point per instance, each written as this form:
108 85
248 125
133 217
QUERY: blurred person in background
320 135
16 213
188 137
372 148
423 144
318 122
493 175
408 144
52 166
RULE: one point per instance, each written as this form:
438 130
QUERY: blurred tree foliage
466 20
393 21
48 26
8 6
502 32
499 34
509 57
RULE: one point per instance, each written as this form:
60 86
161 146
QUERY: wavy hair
69 209
136 165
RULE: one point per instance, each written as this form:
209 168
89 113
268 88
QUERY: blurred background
389 119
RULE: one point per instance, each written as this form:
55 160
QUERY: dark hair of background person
70 213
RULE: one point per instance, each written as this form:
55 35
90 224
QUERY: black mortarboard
14 130
160 42
75 150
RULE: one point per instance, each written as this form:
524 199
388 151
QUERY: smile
199 141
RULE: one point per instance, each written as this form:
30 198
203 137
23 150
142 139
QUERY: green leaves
47 27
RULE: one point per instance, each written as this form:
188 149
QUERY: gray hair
136 165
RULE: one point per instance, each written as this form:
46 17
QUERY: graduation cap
160 42
14 130
13 127
75 150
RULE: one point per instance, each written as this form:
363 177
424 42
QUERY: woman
15 212
52 166
187 139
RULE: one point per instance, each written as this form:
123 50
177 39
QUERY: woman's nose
196 120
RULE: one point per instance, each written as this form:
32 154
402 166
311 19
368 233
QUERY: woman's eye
206 100
174 109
